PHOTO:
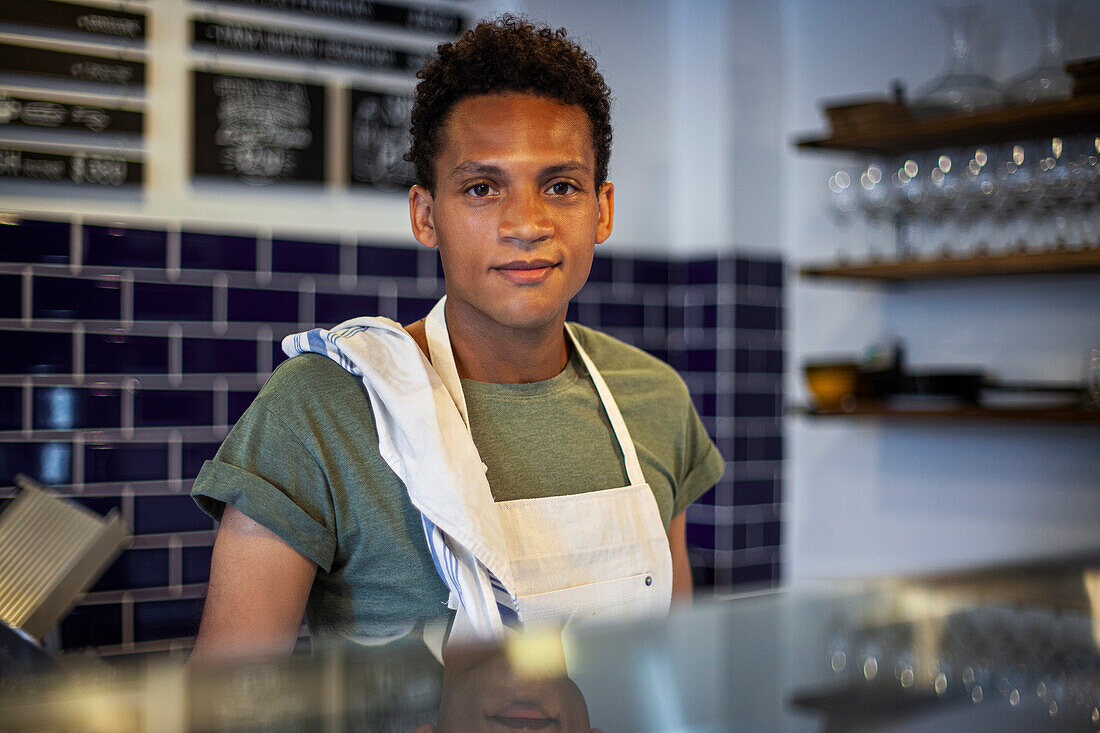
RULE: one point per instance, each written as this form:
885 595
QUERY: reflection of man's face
483 694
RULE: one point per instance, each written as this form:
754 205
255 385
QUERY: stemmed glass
1083 155
909 185
977 186
1054 193
944 191
1014 190
878 207
844 201
1030 195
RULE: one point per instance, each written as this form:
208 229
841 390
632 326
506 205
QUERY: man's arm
681 566
257 594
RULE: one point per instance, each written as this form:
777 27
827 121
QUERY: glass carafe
1048 79
965 87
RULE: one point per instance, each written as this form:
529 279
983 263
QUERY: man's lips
526 272
523 716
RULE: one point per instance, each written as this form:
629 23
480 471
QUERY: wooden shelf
1026 263
1024 122
961 412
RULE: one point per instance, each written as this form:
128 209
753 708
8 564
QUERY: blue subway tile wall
127 353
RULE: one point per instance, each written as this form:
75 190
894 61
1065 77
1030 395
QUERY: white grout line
127 505
220 296
175 353
175 461
127 601
263 258
27 304
239 382
387 299
28 404
106 488
307 292
264 346
78 352
175 565
126 409
221 406
126 300
349 263
172 270
78 463
76 245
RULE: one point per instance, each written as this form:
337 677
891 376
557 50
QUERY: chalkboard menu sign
235 37
73 66
101 22
21 111
379 139
258 130
82 168
429 20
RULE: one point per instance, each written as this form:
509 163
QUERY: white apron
603 553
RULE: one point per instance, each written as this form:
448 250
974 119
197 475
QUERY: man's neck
502 355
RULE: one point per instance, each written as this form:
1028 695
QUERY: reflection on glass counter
1006 650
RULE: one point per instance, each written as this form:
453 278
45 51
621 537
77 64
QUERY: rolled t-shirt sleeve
266 471
704 464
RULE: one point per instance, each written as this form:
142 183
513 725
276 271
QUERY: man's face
483 693
516 212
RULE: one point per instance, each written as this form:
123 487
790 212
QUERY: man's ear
422 216
605 197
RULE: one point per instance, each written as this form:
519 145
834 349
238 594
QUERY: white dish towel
422 437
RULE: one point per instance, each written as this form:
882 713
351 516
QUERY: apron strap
626 444
442 357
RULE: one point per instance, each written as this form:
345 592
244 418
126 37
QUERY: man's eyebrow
473 168
572 166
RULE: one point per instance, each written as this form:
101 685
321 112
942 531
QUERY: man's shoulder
616 358
309 379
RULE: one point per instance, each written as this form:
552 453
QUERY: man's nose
526 219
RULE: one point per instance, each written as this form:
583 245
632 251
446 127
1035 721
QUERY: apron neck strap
626 444
443 360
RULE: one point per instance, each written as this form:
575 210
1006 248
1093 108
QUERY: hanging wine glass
1081 153
909 193
1055 192
1012 196
964 87
878 208
1048 79
942 195
977 188
843 201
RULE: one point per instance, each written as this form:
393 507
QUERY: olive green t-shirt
303 461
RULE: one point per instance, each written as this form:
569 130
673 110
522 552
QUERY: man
590 448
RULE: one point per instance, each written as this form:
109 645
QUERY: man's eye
561 188
480 190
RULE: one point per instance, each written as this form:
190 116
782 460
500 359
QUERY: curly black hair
509 54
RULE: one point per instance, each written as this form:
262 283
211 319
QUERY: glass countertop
1013 649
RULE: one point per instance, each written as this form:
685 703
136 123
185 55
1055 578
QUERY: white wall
878 497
